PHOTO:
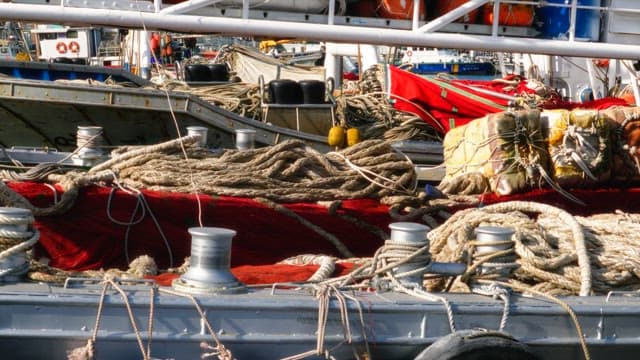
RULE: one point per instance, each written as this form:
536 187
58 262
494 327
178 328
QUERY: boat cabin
82 45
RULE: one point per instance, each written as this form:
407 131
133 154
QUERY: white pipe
332 68
368 53
633 80
187 6
318 32
572 20
592 79
444 20
145 55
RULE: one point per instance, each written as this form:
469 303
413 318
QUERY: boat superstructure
206 311
615 40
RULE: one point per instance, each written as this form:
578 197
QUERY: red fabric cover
427 98
85 238
446 108
267 274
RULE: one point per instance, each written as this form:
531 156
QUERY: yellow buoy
353 136
336 136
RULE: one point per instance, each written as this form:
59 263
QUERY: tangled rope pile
287 172
237 97
370 111
558 253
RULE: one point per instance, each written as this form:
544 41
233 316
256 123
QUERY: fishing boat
435 61
543 277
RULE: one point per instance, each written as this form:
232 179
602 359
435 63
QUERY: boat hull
40 321
40 113
472 68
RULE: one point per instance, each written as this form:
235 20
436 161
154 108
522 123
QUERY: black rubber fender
477 345
197 73
219 72
313 91
285 91
62 60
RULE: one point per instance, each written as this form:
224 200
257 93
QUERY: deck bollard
209 269
245 139
200 131
494 239
89 146
17 236
413 235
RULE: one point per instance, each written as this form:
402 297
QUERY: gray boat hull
41 321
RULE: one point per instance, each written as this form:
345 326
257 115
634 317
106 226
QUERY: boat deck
48 321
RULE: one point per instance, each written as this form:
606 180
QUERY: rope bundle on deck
288 172
240 98
557 253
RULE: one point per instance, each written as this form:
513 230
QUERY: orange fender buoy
353 136
74 47
336 136
61 48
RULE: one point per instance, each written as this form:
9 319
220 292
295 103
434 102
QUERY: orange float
61 48
74 47
510 14
399 9
444 6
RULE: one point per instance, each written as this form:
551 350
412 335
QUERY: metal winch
200 131
413 237
89 146
209 269
245 139
18 237
495 240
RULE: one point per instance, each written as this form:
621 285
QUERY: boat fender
219 72
197 73
313 91
477 344
62 60
285 91
61 47
74 47
79 61
336 136
353 136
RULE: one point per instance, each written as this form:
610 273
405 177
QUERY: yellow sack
579 146
507 148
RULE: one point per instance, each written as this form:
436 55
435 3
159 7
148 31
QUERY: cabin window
48 36
72 34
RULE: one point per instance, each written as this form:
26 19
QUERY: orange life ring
409 53
61 48
74 47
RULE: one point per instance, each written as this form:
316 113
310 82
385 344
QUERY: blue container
554 21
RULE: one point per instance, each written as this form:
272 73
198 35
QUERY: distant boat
434 61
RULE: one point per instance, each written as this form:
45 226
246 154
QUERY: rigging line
175 122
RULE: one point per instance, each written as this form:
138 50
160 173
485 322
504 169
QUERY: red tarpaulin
446 104
88 237
443 104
